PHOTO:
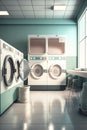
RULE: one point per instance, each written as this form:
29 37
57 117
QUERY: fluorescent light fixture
59 7
4 13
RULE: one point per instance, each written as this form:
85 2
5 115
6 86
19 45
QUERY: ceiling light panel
4 13
59 7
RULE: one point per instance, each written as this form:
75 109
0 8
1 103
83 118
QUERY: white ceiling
40 8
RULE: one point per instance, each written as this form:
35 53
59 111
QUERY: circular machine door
17 73
55 71
24 69
37 71
8 70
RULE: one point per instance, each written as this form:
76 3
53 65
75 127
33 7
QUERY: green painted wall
16 31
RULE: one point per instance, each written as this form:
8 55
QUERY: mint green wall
16 31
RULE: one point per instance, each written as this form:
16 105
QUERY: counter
78 73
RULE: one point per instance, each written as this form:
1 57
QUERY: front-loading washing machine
18 55
38 70
13 71
7 74
56 70
7 66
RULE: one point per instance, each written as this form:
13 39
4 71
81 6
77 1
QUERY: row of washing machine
10 79
13 71
47 61
11 66
47 70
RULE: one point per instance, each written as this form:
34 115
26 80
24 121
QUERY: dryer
56 70
38 70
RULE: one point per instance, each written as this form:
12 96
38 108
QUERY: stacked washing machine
47 61
56 60
37 61
9 74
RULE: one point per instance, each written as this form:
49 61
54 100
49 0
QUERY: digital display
56 58
37 58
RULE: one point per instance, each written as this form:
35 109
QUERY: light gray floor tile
60 118
80 127
10 127
38 119
33 127
39 107
47 110
11 119
60 127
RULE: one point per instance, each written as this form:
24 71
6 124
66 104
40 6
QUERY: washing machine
18 57
7 66
13 71
56 70
38 70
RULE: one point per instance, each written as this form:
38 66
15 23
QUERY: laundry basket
24 94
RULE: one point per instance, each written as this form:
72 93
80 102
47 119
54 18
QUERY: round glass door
17 73
37 71
24 69
8 70
55 71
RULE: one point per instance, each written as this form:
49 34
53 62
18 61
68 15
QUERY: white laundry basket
24 94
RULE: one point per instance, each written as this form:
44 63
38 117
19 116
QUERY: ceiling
40 8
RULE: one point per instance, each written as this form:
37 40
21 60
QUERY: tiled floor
47 110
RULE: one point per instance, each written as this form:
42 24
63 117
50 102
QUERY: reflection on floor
47 110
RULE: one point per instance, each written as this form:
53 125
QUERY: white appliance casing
6 49
32 78
61 62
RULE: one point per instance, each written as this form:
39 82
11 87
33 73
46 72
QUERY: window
82 41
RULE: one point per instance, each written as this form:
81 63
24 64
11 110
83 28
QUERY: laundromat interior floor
46 110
